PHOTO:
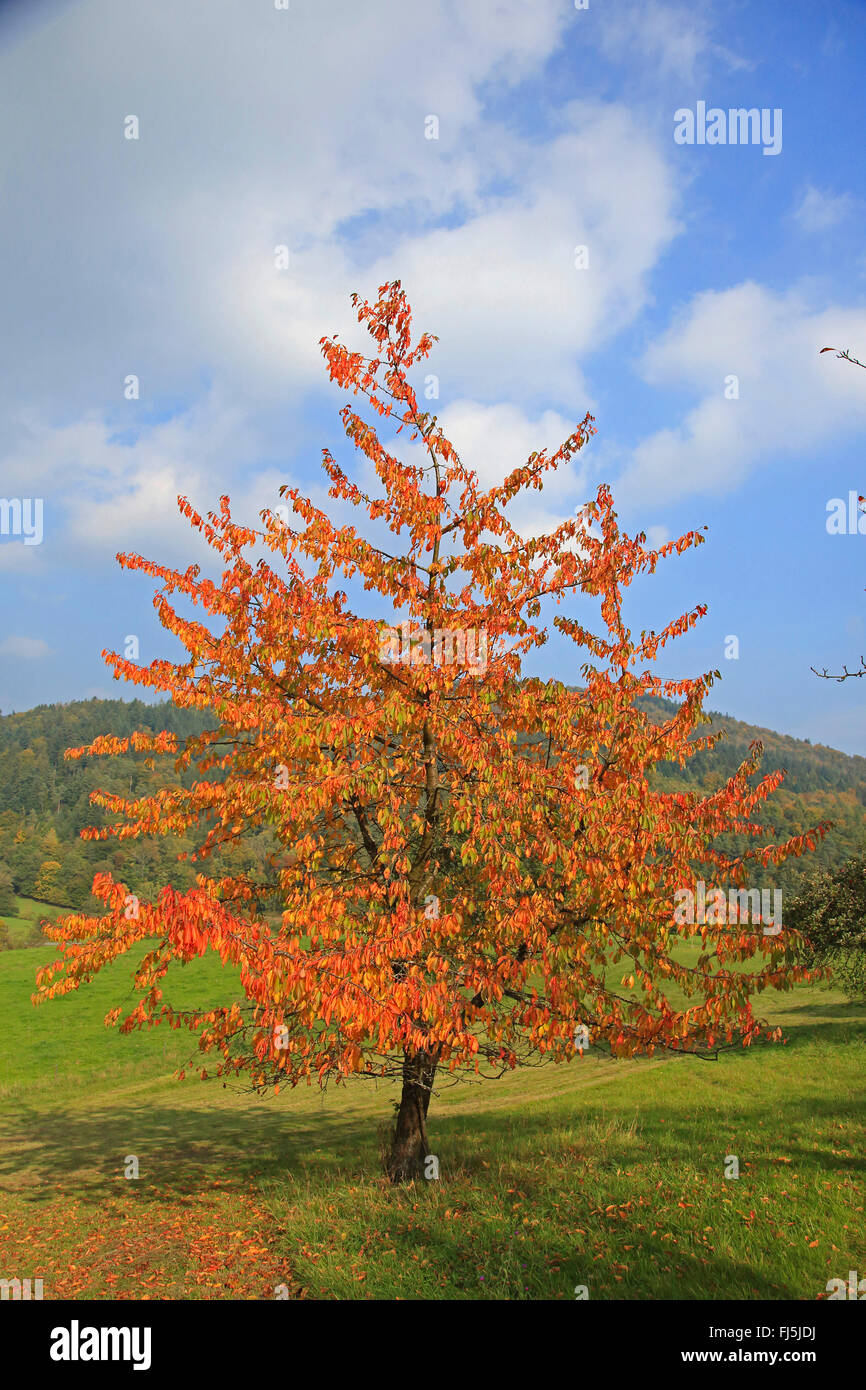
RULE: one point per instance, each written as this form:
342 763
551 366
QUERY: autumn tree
48 881
477 870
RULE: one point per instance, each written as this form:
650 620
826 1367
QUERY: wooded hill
44 800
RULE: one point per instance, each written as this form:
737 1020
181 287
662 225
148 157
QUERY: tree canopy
477 870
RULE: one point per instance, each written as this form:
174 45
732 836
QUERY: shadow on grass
180 1149
574 1148
839 1023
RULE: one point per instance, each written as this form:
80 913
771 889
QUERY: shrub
830 910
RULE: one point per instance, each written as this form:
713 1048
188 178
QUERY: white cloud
818 210
257 128
791 399
513 313
495 439
664 41
104 493
165 267
24 648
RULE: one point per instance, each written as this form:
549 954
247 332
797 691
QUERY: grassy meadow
605 1174
28 914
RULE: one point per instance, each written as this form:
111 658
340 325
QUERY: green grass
603 1173
28 913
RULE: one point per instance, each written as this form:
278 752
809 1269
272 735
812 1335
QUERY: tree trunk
409 1143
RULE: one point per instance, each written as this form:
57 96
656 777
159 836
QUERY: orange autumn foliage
469 854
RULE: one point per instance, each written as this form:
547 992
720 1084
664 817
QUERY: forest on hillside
45 804
45 800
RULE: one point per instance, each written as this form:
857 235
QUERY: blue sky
306 127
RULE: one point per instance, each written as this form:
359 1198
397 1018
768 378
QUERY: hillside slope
45 800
